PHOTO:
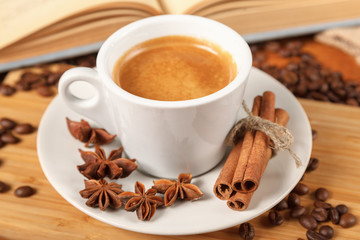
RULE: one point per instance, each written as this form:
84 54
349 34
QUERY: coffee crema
174 68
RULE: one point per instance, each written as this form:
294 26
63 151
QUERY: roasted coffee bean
321 204
320 214
301 90
288 77
2 131
347 220
7 90
9 138
326 231
4 187
275 218
22 86
30 77
313 164
254 48
24 191
321 194
86 61
324 87
24 128
53 78
282 205
312 235
301 189
314 134
317 96
272 46
352 102
342 209
293 200
2 143
333 97
308 221
246 231
45 91
7 123
285 53
297 211
334 215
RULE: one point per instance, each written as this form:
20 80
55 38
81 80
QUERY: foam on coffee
174 68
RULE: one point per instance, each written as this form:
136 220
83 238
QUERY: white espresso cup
165 137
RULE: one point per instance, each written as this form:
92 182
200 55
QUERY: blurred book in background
37 28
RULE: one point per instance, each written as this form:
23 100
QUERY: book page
19 18
179 6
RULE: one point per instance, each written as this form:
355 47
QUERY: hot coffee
174 68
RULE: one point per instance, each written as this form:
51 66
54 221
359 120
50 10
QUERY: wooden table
46 215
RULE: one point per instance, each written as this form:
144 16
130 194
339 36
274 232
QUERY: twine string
280 136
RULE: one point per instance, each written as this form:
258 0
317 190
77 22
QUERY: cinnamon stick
246 149
240 200
258 158
223 185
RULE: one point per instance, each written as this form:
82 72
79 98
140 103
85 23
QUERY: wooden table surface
46 215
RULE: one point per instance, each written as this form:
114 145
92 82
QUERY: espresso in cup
174 68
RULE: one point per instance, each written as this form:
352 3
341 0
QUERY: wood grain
46 215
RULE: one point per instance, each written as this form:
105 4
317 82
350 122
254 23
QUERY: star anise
90 136
98 166
181 188
102 194
145 203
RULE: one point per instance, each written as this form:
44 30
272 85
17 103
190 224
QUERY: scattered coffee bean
312 235
22 86
24 128
275 218
321 204
272 46
307 77
4 187
347 220
342 209
321 194
293 200
301 189
45 91
313 164
297 211
9 138
282 205
320 214
30 77
53 78
246 231
7 123
326 231
2 143
334 215
24 191
308 222
7 90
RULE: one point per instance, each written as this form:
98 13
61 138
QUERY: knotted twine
280 136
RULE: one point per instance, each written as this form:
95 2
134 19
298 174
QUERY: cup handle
94 108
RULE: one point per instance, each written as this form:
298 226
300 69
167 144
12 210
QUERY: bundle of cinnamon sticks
246 163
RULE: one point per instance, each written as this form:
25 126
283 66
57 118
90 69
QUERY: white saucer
58 155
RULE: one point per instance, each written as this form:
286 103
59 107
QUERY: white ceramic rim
106 77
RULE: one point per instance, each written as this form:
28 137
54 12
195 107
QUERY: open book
38 27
